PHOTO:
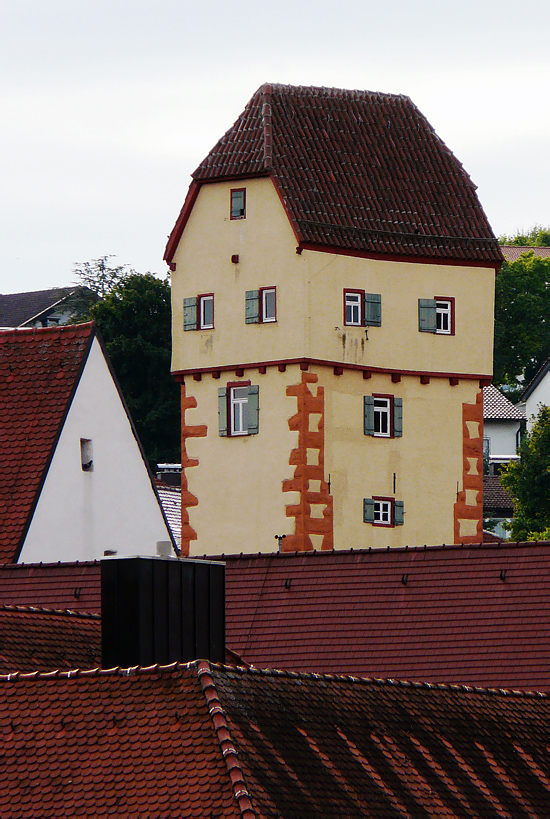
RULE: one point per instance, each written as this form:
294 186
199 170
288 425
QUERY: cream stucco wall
310 289
238 481
81 514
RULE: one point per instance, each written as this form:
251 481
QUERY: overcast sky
108 106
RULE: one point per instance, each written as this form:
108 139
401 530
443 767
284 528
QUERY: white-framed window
443 315
268 304
353 308
238 409
383 416
206 312
198 312
383 511
261 306
238 203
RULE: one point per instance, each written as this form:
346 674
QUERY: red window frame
229 387
451 301
263 320
361 294
391 501
200 298
391 431
237 190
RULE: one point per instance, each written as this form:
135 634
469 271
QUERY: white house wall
502 435
82 514
540 395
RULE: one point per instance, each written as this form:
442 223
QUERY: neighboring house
476 615
503 424
73 480
498 505
536 394
170 498
204 740
332 284
513 252
38 308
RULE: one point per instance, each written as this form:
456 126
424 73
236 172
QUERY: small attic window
86 455
238 203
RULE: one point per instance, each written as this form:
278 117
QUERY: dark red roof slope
212 741
39 372
356 170
33 638
75 586
478 615
496 497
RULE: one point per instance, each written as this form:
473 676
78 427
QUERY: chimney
161 610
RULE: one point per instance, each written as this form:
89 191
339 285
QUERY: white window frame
203 300
443 316
238 405
354 300
234 211
383 407
264 293
383 509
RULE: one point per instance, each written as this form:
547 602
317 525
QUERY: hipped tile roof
33 638
497 407
203 740
39 372
495 496
356 170
513 252
16 309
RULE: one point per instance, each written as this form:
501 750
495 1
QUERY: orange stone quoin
187 498
305 525
472 478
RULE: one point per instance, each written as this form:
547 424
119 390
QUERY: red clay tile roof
497 407
75 586
170 498
433 615
17 309
212 741
495 495
513 252
356 170
39 639
39 372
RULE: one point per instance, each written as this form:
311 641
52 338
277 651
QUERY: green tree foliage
99 277
528 481
536 237
522 321
134 320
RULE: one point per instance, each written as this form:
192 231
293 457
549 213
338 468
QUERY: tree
536 237
99 277
528 481
522 310
134 319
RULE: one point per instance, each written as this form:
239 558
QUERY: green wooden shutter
368 510
373 309
190 313
427 315
252 306
253 410
368 415
398 513
397 417
222 411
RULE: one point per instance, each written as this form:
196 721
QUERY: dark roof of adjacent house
475 615
495 495
18 309
39 373
170 498
34 638
356 170
496 407
203 740
513 252
537 378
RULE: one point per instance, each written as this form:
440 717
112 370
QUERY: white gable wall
503 436
540 395
81 514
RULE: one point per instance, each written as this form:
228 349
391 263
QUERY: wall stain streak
472 474
305 525
187 498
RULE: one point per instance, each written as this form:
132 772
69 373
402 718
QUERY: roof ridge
26 609
82 328
227 746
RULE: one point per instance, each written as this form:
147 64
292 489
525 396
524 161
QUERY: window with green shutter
252 306
383 416
190 313
222 411
427 315
383 511
397 417
368 510
238 410
373 310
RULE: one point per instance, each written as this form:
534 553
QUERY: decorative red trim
391 502
187 498
390 257
239 371
235 258
177 230
197 376
396 378
262 369
361 294
281 367
451 300
231 192
338 370
216 374
472 473
304 366
321 362
453 381
231 384
485 382
424 379
367 374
